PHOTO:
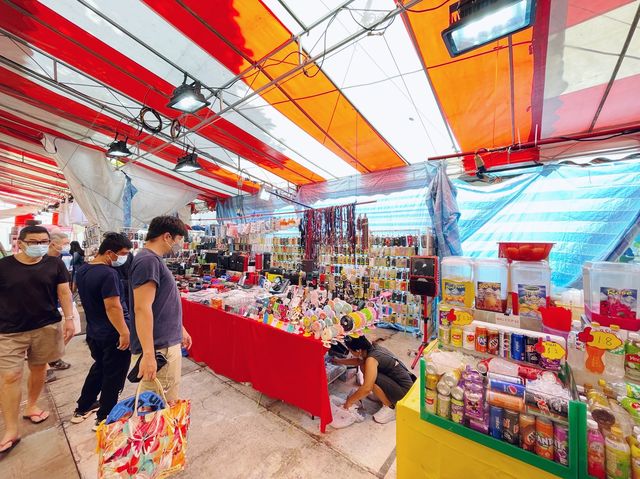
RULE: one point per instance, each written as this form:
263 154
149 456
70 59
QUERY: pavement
236 432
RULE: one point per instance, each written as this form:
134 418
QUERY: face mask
36 250
175 247
65 249
120 261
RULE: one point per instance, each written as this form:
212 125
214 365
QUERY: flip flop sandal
14 443
42 416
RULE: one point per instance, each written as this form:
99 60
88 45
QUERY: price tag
600 339
552 350
513 321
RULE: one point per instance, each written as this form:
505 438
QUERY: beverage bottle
635 457
632 356
616 389
618 458
595 451
575 351
614 359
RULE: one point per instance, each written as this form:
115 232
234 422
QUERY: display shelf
577 434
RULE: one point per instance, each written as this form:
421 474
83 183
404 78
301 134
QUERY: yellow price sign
551 350
463 318
600 339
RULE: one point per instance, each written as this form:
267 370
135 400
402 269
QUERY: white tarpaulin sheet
98 188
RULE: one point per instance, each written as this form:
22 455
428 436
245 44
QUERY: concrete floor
235 432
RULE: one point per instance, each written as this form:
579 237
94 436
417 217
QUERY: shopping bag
145 444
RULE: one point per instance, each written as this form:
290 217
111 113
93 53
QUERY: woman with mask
385 376
107 328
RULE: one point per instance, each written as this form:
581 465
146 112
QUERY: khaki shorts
169 375
41 346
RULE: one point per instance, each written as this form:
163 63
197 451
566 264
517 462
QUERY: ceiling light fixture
118 148
187 97
188 163
477 22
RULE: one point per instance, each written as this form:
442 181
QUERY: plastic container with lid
457 281
530 287
611 293
490 278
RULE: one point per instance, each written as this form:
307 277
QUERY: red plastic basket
524 251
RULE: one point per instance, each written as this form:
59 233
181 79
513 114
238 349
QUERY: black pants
395 388
106 376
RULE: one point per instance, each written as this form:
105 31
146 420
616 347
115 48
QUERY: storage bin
457 281
530 288
491 285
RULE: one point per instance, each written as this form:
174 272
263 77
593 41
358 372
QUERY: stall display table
284 366
427 451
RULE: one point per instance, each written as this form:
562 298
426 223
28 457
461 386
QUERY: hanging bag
149 443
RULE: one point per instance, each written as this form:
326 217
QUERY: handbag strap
158 388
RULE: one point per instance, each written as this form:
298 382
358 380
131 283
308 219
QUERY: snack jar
530 288
457 281
491 285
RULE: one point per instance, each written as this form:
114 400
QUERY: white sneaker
385 415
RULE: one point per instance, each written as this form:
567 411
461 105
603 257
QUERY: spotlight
118 148
188 163
264 194
478 22
188 98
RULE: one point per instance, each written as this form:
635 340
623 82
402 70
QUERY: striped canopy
305 91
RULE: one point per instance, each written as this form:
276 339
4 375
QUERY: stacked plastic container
530 288
490 277
611 293
457 281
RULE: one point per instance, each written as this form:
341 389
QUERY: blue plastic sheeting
588 212
444 212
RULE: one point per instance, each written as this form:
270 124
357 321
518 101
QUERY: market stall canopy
299 92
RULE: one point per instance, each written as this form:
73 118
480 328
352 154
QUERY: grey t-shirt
167 309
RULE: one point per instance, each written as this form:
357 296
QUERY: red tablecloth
282 365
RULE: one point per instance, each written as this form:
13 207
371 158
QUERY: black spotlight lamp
188 163
475 23
188 98
118 148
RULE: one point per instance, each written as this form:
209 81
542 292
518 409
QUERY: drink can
444 333
456 336
506 401
495 421
432 381
528 432
432 369
452 378
444 406
481 339
457 393
505 378
493 342
511 427
561 444
531 355
469 338
443 388
430 400
457 410
518 347
505 344
544 438
507 387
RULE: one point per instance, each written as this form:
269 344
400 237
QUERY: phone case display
457 281
530 288
286 252
525 412
611 293
490 277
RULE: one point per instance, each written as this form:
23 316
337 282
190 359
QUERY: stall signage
512 320
551 350
600 339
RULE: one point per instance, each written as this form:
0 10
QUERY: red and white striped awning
382 92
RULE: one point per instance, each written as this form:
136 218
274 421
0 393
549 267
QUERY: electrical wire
424 10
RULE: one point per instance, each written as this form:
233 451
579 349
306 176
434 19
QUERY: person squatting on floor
107 318
31 286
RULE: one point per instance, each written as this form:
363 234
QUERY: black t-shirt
95 283
29 293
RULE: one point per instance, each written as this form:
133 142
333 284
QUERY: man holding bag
156 307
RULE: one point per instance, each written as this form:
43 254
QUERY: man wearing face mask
31 285
107 328
59 247
156 308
